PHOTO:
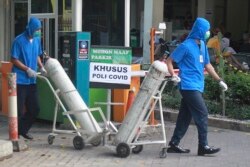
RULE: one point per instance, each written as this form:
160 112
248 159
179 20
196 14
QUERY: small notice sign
110 67
83 52
106 75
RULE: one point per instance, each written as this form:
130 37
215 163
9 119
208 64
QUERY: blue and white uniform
191 57
26 49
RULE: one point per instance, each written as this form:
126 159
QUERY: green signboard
111 55
110 67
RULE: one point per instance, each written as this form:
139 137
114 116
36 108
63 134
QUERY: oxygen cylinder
70 96
140 106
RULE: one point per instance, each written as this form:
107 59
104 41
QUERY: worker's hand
31 73
223 85
176 79
43 71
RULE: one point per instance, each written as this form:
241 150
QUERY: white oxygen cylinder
70 96
140 106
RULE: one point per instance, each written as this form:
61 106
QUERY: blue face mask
37 33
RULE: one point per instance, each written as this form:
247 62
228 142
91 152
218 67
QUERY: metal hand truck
136 120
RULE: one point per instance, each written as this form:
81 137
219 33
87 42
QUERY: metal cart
67 96
136 120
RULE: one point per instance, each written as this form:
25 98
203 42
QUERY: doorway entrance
46 11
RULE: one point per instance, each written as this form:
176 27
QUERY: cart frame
78 140
123 149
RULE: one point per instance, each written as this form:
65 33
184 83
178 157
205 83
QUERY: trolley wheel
96 143
137 149
51 139
78 143
123 150
163 153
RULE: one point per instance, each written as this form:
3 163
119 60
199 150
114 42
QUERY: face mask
207 35
37 34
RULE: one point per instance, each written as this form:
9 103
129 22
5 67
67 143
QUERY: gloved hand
43 71
223 85
176 79
31 73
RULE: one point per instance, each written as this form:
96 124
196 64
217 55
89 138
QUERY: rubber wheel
137 149
51 139
78 143
163 153
96 143
123 150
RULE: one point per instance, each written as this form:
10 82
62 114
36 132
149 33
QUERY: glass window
42 6
105 20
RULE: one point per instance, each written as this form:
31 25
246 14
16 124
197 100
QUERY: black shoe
202 150
172 148
27 136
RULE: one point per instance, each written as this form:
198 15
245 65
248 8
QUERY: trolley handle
167 78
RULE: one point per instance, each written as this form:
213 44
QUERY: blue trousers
28 107
192 106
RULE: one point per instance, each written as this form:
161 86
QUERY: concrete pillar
158 9
76 15
153 15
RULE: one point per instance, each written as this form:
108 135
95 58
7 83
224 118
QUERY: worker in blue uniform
25 56
192 58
